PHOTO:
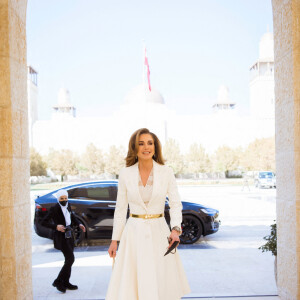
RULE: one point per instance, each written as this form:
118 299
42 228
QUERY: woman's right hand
112 250
60 228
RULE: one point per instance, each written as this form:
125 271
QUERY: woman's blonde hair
133 147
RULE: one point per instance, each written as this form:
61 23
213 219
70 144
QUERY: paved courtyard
224 264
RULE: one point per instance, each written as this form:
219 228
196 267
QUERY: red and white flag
148 69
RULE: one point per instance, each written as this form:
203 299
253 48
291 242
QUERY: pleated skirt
141 271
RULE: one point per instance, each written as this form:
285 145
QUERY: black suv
94 204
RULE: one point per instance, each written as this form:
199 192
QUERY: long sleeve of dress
174 201
121 208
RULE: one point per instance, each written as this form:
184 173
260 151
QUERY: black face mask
63 203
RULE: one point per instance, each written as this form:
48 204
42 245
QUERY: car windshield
265 174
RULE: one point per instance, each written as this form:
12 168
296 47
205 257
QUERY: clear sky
94 49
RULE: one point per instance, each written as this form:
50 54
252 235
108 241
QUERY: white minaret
261 85
64 108
223 103
32 94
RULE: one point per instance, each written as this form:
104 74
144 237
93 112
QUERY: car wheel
78 234
191 229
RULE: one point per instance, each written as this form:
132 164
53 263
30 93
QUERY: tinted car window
265 175
77 193
91 193
98 193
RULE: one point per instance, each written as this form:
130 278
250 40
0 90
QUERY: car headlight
205 210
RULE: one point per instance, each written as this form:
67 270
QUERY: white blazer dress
141 271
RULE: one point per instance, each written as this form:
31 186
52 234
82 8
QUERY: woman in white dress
141 271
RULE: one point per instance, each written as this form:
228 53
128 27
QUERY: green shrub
271 244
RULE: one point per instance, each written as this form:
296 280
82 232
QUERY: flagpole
146 63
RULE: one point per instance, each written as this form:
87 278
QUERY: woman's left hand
82 227
174 236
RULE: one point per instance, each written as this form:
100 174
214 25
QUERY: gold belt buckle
147 216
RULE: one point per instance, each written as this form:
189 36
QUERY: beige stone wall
286 15
15 226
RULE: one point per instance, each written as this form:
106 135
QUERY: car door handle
111 205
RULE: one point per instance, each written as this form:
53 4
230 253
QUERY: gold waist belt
147 216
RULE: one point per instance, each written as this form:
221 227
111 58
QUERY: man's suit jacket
164 184
56 215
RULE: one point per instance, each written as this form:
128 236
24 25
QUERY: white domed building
224 104
141 95
266 47
64 108
261 86
60 131
140 108
144 108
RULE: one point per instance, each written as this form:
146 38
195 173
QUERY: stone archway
15 231
287 133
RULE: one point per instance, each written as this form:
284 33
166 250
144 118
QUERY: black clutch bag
68 232
174 245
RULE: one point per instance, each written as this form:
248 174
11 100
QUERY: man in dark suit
62 217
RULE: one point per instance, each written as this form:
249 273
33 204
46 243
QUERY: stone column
286 14
15 225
